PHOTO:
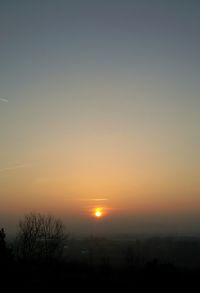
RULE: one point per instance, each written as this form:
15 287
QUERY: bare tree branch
41 237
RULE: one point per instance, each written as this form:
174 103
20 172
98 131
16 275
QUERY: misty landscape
99 145
43 256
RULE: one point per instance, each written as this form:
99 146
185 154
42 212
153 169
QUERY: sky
99 108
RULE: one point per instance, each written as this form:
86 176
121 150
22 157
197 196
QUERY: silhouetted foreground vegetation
54 262
40 237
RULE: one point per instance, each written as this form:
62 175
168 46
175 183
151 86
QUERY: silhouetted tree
2 242
41 237
5 252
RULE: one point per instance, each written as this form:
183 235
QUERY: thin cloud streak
4 100
20 166
93 199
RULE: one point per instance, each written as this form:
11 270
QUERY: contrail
4 100
15 167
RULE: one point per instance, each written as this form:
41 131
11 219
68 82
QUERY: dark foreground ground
76 277
107 265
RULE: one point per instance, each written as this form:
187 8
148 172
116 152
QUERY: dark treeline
44 257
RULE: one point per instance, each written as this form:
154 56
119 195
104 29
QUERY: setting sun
98 213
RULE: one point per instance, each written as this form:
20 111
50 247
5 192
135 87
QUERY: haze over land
99 108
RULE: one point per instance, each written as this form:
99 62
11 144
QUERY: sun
98 213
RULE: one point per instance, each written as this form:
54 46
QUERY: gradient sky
99 107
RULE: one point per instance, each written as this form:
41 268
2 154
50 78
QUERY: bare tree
3 250
41 237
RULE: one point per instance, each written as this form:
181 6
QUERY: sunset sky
99 108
